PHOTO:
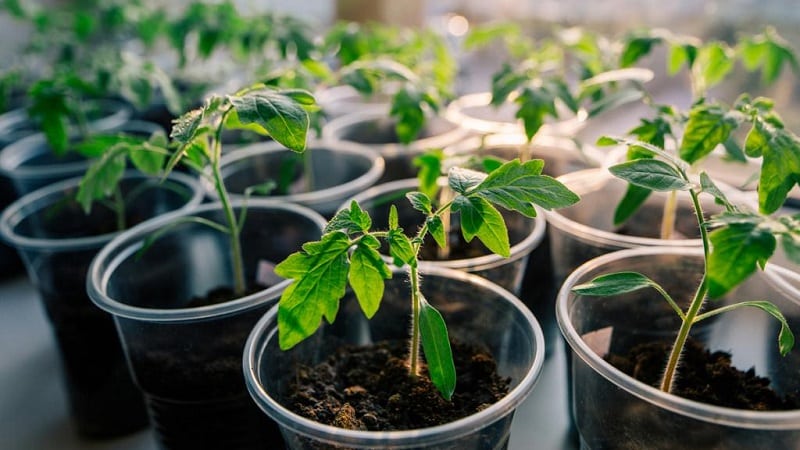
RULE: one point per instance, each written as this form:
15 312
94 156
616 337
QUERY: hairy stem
413 354
694 308
233 227
445 196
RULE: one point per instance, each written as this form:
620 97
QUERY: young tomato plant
347 254
707 124
196 140
571 73
735 242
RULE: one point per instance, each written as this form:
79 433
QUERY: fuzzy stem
234 230
669 216
445 196
694 308
413 356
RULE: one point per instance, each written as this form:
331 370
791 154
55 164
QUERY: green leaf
785 336
95 145
55 130
430 169
185 127
679 55
366 275
636 48
615 284
436 228
319 272
400 248
479 218
780 170
633 199
534 106
770 52
280 114
436 346
708 186
407 108
737 250
102 177
708 127
420 202
714 61
517 186
756 141
393 219
790 243
462 180
350 220
651 174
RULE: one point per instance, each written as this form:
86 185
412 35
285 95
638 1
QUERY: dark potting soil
704 376
369 388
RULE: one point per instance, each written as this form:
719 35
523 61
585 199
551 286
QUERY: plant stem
234 231
694 308
669 215
413 354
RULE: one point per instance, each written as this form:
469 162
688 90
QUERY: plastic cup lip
455 113
762 420
47 195
320 196
590 154
128 242
587 233
422 436
13 157
334 130
488 261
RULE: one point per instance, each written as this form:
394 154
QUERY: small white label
599 341
266 273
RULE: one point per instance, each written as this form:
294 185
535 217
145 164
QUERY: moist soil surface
369 388
704 376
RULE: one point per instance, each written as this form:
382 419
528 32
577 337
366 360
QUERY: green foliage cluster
347 253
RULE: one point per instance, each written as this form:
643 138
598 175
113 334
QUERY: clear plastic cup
374 128
475 310
612 410
339 170
30 162
186 356
57 242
